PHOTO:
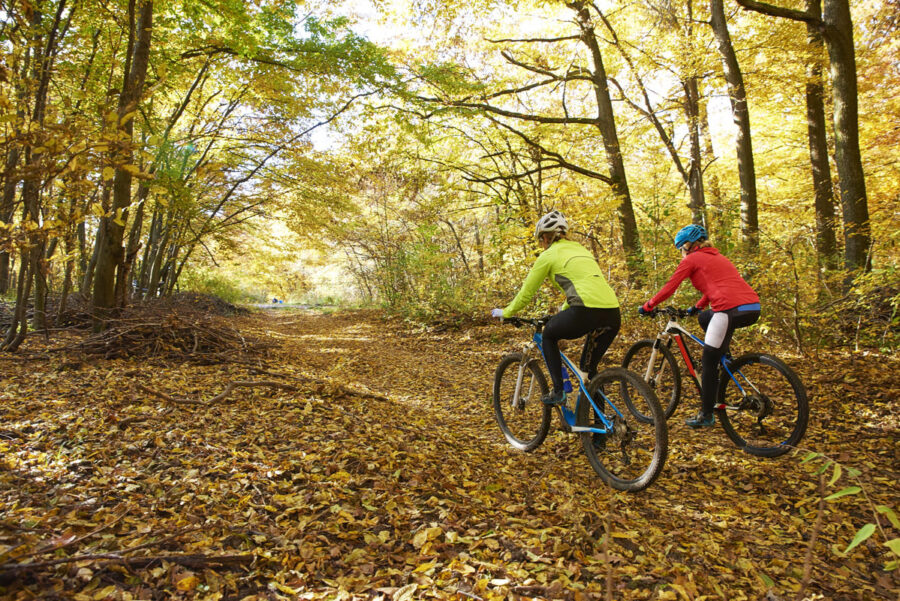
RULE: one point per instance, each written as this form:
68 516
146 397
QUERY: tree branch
778 11
511 114
527 40
558 158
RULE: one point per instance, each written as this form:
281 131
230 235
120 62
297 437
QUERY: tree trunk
826 243
607 125
848 159
31 185
717 225
134 245
67 278
695 171
739 109
159 257
111 254
150 251
87 281
17 330
7 207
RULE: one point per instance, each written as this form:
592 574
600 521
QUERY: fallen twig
196 561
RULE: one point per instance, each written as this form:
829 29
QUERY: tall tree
43 47
826 243
836 25
591 72
606 123
691 170
737 94
110 257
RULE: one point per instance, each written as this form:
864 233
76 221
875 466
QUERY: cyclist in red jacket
733 304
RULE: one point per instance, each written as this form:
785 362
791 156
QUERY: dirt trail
381 474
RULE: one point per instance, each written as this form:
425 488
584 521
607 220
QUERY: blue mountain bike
616 414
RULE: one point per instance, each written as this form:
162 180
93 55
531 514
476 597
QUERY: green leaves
861 535
850 490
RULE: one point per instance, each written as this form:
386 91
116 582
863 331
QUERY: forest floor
357 457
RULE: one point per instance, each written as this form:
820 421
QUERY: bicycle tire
525 427
637 359
612 455
776 395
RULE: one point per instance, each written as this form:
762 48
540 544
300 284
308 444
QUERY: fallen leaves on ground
376 471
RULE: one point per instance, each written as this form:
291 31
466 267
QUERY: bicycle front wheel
632 454
523 418
765 405
662 375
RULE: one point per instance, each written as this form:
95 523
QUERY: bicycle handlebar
670 311
526 321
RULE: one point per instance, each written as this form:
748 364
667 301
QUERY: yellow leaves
426 567
425 535
104 593
332 513
108 174
187 583
341 476
283 588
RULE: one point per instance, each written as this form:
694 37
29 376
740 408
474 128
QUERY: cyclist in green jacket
591 304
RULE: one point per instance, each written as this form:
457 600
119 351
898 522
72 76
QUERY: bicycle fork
649 376
517 394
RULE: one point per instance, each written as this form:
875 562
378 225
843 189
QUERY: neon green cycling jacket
574 271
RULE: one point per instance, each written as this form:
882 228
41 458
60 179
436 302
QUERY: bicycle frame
675 331
567 415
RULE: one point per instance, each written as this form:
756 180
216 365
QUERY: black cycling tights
719 327
575 322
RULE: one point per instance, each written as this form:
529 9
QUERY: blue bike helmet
690 233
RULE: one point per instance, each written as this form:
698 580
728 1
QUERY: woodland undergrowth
354 456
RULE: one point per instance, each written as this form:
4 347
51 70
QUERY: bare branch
529 40
778 11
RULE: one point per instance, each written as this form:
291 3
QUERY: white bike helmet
552 222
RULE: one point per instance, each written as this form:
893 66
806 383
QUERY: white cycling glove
497 313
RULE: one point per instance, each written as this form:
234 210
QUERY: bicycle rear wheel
633 453
525 420
663 377
767 414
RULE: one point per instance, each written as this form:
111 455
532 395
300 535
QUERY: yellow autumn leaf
283 588
420 539
341 475
188 583
425 566
104 593
108 173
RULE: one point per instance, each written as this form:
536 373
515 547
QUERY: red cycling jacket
712 274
